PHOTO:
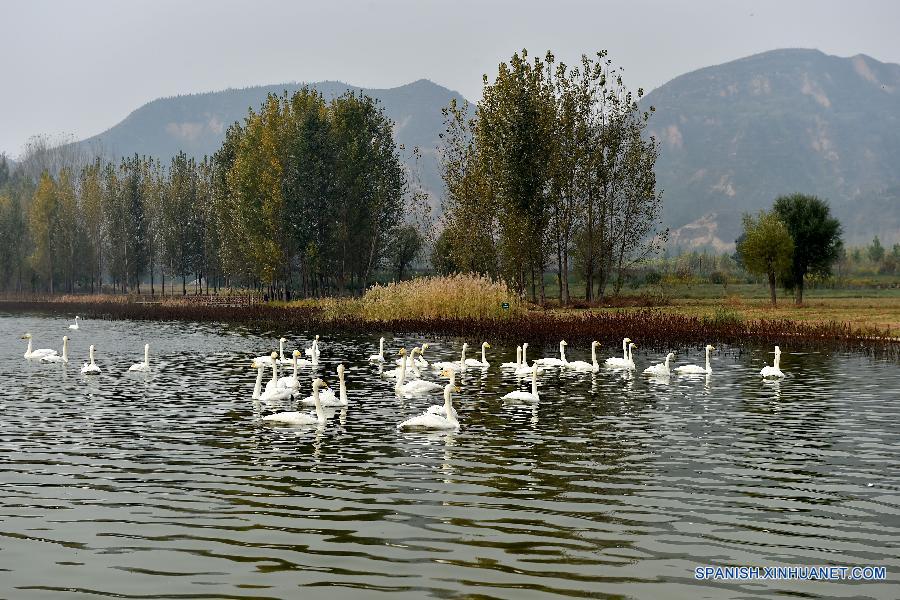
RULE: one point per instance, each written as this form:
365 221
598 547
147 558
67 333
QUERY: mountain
196 123
737 135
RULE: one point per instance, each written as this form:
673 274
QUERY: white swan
142 367
775 370
531 397
661 369
514 365
56 358
282 359
275 392
293 417
555 362
429 420
417 386
74 326
313 351
257 388
696 369
413 360
327 397
379 358
625 361
525 370
441 409
410 364
290 381
90 368
36 354
452 364
586 367
483 363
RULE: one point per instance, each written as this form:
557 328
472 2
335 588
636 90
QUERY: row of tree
797 238
304 195
552 167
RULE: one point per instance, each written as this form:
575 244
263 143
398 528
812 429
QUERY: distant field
862 308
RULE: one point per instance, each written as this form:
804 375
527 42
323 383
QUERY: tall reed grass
451 297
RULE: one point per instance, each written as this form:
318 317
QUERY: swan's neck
65 349
92 355
483 354
534 382
147 355
667 363
381 348
562 353
28 351
257 389
518 357
524 354
625 349
594 356
274 371
630 357
281 349
343 388
402 373
296 369
708 368
462 359
777 362
320 414
448 407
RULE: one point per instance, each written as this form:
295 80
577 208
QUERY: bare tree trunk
772 287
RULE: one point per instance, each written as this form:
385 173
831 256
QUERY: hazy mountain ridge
735 136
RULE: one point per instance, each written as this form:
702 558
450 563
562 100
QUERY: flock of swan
407 371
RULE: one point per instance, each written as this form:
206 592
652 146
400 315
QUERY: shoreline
656 327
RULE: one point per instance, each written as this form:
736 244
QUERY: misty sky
79 67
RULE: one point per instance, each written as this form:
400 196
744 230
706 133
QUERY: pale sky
80 67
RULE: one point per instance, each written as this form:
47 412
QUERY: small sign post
505 305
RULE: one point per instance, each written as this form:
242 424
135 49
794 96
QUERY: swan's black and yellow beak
456 389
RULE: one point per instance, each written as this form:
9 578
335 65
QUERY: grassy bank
654 327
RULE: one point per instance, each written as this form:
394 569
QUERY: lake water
170 485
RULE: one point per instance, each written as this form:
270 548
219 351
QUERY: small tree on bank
816 235
766 247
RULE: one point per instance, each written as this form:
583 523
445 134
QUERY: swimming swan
257 388
290 381
90 368
555 362
524 370
429 420
55 358
626 361
775 370
293 417
395 373
586 367
327 397
526 397
417 386
441 409
418 361
483 363
452 364
74 326
696 369
662 369
143 367
313 351
380 356
36 354
514 365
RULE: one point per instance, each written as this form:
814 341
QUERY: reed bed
654 329
456 297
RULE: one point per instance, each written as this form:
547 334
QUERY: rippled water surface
170 486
